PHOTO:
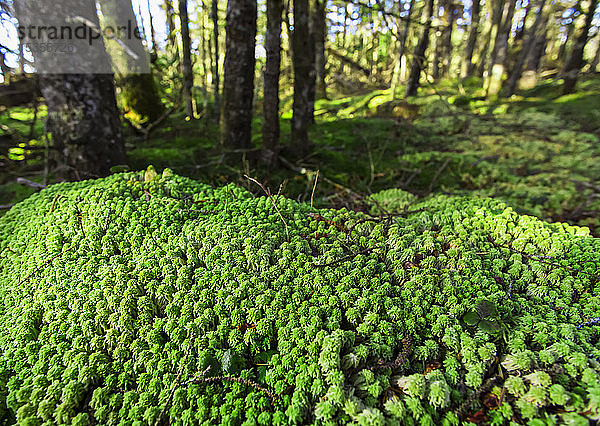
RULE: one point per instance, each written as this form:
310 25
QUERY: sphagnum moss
148 299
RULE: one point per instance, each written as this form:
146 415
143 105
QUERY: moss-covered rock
145 298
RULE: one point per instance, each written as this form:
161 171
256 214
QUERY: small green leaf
471 318
233 362
491 327
485 309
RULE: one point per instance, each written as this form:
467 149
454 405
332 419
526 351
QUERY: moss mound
144 299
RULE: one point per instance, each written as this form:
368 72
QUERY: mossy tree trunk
319 34
216 80
270 127
83 119
304 75
402 45
412 86
468 66
501 49
534 33
138 92
575 61
238 83
186 58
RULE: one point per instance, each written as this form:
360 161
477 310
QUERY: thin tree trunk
439 40
450 18
152 33
402 46
172 31
596 60
412 85
216 77
532 63
562 50
501 49
468 66
83 119
319 31
303 74
138 92
575 61
270 128
527 47
520 32
186 58
238 82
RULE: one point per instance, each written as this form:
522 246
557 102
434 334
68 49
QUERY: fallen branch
31 184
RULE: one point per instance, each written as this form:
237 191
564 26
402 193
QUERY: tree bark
304 72
138 92
468 66
596 60
402 46
534 58
83 120
270 128
562 50
319 32
525 52
449 19
575 61
412 86
238 82
501 49
172 31
186 58
216 78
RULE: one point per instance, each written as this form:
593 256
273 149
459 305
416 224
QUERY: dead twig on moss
268 193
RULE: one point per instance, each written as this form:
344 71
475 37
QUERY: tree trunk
238 82
525 52
303 74
138 93
186 58
83 119
501 49
412 86
562 50
534 58
319 32
216 78
270 128
596 60
468 66
402 46
152 33
439 42
172 31
449 19
575 61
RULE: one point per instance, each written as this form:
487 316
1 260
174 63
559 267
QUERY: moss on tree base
144 299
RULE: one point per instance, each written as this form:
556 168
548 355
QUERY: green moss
117 293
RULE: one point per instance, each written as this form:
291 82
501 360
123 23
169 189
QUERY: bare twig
43 265
177 384
312 195
268 193
5 206
437 175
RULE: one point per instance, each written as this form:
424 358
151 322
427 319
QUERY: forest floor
539 151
